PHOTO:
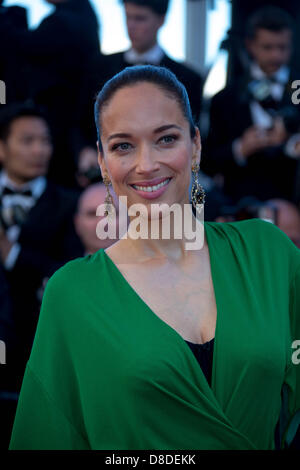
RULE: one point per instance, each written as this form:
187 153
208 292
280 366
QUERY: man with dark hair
142 29
158 6
269 18
252 120
36 229
144 18
269 39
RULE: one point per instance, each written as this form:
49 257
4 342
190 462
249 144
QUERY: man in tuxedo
7 343
144 18
252 120
36 230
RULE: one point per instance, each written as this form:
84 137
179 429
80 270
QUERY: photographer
252 120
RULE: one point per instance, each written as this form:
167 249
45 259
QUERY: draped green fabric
105 372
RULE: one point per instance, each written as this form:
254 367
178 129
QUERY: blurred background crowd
50 183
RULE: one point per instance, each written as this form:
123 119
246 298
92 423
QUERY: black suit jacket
57 51
57 55
6 325
268 173
12 63
47 241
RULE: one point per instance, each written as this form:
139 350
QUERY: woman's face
147 148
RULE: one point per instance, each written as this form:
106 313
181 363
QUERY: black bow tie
9 191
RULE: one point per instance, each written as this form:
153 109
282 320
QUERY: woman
148 344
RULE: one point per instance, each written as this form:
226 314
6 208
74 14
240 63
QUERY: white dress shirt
260 117
152 56
37 186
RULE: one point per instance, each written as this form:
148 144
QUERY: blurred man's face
142 26
86 221
26 152
270 49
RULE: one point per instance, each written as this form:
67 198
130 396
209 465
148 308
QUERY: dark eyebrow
166 127
120 135
123 135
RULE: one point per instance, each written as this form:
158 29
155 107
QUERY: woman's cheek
182 160
117 168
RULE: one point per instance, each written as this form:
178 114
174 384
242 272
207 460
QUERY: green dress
105 372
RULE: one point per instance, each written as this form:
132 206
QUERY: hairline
168 93
10 122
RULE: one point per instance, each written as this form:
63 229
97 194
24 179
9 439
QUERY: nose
146 161
37 148
41 149
278 54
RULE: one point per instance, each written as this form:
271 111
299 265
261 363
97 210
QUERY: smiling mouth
150 189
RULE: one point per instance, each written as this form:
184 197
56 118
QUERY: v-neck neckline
169 327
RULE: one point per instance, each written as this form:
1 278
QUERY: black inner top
204 355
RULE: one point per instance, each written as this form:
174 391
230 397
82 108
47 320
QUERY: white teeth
149 189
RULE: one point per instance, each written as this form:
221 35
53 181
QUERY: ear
196 147
101 161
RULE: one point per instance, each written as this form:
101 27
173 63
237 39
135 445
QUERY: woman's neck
171 236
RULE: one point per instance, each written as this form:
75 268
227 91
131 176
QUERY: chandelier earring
108 201
197 192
